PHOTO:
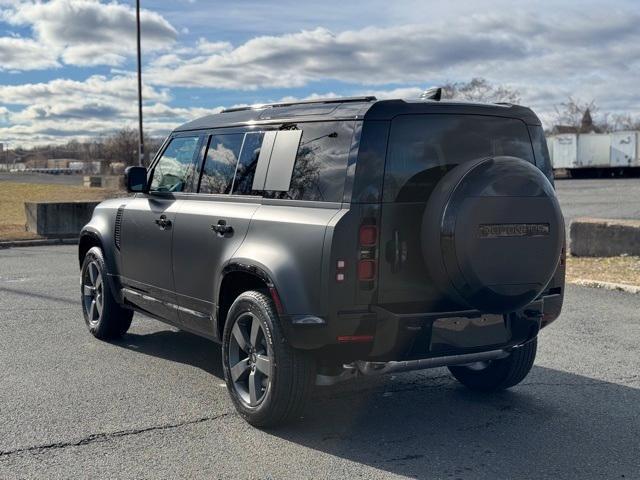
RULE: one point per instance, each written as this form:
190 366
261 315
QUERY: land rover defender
319 241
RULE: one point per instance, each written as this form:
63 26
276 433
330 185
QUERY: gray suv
320 241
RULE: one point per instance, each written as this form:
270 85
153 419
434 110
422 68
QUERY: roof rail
368 98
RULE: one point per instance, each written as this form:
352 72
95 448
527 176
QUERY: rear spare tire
492 234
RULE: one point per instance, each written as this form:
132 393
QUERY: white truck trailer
596 154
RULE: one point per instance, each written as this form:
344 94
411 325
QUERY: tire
104 317
256 355
498 374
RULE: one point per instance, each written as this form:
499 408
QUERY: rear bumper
383 335
418 336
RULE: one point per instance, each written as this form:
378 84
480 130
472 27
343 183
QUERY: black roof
350 108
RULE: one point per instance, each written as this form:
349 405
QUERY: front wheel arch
88 240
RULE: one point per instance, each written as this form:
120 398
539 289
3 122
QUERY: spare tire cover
492 234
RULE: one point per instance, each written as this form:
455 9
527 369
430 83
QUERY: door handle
163 222
221 228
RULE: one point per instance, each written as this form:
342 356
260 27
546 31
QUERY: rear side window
177 168
423 148
321 162
247 164
220 163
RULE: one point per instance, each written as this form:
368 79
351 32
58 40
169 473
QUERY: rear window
423 148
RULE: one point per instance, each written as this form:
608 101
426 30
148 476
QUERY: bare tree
576 114
624 121
122 146
480 90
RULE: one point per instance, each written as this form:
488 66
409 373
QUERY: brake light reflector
355 338
368 235
276 300
366 270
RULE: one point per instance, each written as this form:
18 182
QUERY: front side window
178 166
220 164
423 148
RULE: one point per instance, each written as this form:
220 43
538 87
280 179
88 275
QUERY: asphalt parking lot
153 406
599 197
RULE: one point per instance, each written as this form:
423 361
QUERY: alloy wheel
93 292
250 363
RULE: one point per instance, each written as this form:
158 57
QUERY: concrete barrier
58 219
602 237
113 182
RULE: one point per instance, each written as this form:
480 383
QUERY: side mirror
135 178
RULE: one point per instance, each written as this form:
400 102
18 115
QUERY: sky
67 67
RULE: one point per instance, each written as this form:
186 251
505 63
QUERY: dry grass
13 195
609 269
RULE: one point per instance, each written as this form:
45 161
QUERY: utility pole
141 134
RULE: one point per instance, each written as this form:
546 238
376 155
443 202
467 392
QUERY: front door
147 230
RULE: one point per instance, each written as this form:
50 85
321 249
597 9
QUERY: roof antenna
433 93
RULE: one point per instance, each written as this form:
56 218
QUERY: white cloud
18 53
590 52
87 32
369 56
582 55
55 111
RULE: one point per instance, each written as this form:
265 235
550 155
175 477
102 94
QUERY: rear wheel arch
236 279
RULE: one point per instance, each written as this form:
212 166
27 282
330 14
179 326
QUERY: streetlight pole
141 134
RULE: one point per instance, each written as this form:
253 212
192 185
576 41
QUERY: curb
620 287
38 242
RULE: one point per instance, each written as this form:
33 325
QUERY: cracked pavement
153 405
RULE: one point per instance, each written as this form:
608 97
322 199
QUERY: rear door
211 225
147 229
421 150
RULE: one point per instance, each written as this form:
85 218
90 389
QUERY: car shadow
424 425
180 346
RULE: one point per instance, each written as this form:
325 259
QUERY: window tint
177 168
423 148
321 162
220 164
247 164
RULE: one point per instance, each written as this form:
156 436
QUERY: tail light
367 262
366 270
368 235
